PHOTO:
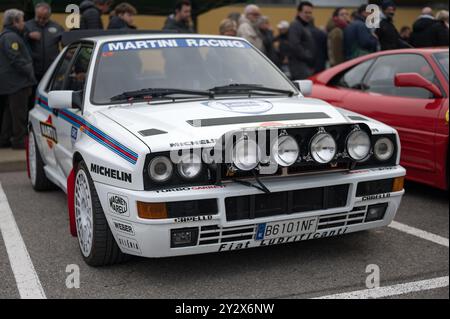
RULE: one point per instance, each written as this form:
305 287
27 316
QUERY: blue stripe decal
69 117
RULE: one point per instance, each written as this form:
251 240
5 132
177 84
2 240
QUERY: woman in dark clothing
123 17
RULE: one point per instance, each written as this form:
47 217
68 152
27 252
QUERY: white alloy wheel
83 213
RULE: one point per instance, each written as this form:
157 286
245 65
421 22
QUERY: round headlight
383 149
160 169
323 148
190 166
285 151
246 154
358 145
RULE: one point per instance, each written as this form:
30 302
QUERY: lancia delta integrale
173 145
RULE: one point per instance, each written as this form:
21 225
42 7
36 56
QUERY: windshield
442 59
196 64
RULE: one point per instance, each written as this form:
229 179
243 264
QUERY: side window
352 78
382 75
57 82
79 69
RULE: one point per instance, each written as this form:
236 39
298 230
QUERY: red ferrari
407 89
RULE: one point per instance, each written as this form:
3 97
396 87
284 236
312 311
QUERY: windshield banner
173 43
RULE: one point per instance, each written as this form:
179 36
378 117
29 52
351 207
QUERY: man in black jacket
17 78
302 44
387 34
422 35
43 36
180 21
91 13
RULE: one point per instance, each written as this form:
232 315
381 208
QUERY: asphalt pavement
307 269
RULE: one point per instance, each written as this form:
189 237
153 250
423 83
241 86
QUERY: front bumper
152 238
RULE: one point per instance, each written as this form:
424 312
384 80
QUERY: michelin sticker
173 43
118 205
241 106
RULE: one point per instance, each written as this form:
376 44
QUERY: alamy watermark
373 277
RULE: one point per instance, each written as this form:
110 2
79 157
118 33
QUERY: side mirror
65 99
305 86
415 80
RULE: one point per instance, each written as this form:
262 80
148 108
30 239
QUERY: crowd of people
300 48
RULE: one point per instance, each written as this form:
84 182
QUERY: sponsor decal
74 133
192 188
360 171
49 132
129 244
282 240
192 219
52 30
193 143
378 196
118 205
241 106
111 173
123 227
384 168
173 43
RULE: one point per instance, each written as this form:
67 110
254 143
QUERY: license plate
286 228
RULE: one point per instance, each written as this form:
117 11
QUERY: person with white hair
421 37
248 26
43 36
17 79
440 30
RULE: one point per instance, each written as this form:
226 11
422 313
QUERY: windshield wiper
248 88
156 93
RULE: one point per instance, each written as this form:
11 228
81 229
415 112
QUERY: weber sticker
129 244
123 227
118 205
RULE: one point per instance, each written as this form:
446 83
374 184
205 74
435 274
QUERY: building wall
208 23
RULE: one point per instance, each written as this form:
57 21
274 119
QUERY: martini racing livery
173 145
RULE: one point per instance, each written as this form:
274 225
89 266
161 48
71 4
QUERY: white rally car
174 145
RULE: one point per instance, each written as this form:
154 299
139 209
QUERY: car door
412 111
48 129
68 119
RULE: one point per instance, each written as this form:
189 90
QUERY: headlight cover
323 147
160 169
246 154
358 145
189 166
384 149
285 150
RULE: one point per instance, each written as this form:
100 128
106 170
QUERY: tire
39 180
96 241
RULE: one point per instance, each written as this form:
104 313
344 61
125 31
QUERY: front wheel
97 244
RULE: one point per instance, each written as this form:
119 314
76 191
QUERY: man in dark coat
180 21
17 78
123 17
91 13
302 43
358 39
387 33
421 36
440 30
43 36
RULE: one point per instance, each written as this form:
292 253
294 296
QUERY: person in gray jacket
43 36
17 79
302 43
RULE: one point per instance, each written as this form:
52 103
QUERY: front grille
192 208
289 202
374 187
214 234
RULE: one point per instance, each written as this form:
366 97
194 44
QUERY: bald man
422 35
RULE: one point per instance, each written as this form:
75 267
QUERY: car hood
179 125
